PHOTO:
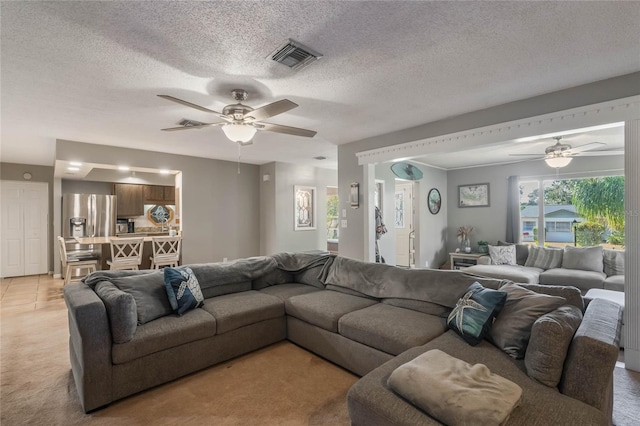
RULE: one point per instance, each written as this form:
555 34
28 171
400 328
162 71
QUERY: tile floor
23 294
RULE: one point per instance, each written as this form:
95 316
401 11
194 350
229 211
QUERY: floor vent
294 55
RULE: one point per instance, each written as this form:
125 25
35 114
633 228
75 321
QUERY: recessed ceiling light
164 172
75 163
73 169
123 168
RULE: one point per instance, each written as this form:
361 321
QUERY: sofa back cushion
551 336
573 295
149 292
613 262
121 310
583 258
544 258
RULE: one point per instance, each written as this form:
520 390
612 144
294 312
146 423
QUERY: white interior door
24 241
403 221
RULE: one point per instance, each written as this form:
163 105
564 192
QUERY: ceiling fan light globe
238 132
558 162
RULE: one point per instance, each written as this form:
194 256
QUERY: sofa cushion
325 308
571 294
183 289
273 277
311 276
515 273
419 305
229 276
121 310
390 329
614 282
613 262
584 280
512 328
236 310
149 292
164 333
544 258
474 313
503 255
522 251
285 291
583 258
551 336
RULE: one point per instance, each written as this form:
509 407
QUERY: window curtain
513 210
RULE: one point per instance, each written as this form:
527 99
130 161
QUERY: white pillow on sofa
502 255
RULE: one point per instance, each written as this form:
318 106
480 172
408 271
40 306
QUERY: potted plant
483 247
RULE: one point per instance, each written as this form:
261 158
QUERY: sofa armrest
592 356
484 260
89 345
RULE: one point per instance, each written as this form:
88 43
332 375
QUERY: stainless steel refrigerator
87 215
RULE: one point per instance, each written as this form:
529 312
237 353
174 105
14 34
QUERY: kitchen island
102 245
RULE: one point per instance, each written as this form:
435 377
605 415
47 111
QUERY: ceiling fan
241 121
561 154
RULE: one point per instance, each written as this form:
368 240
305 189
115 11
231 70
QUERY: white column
632 244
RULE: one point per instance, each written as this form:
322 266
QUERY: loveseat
367 318
582 267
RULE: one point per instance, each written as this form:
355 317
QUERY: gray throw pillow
613 262
544 258
150 295
522 251
512 328
583 258
551 336
572 294
121 310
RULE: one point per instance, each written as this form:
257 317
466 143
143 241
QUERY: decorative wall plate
434 201
406 171
160 214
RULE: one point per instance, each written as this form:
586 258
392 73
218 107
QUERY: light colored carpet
278 385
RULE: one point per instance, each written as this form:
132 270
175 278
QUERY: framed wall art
473 195
304 208
354 195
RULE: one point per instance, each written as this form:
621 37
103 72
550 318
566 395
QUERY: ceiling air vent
294 55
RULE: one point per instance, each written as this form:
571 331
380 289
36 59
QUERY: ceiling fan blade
585 147
171 129
285 129
599 153
189 104
527 155
270 110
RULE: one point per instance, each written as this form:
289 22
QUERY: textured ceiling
90 71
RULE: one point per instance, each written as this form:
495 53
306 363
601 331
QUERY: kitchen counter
107 240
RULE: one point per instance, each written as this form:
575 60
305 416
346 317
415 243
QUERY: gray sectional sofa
582 267
367 318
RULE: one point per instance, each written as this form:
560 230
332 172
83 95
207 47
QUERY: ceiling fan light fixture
558 162
239 132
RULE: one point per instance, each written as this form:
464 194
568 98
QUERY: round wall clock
434 201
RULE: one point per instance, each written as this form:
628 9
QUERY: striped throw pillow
544 258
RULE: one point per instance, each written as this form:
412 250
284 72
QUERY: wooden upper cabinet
154 194
129 200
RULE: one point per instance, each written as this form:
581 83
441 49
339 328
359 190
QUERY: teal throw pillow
474 312
183 289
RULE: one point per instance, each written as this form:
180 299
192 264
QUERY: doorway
404 226
24 240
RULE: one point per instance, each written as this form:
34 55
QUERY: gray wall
277 202
431 230
13 171
349 171
490 222
70 186
220 208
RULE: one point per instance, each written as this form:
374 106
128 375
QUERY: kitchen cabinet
155 194
129 199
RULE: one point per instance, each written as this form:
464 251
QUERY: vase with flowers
463 234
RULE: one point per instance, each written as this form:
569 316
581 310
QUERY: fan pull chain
239 147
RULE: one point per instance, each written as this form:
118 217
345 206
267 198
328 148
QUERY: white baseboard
632 359
57 275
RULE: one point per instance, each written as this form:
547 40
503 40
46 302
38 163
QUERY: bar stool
166 251
70 264
126 253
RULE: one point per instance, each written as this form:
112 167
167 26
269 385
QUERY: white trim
585 116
